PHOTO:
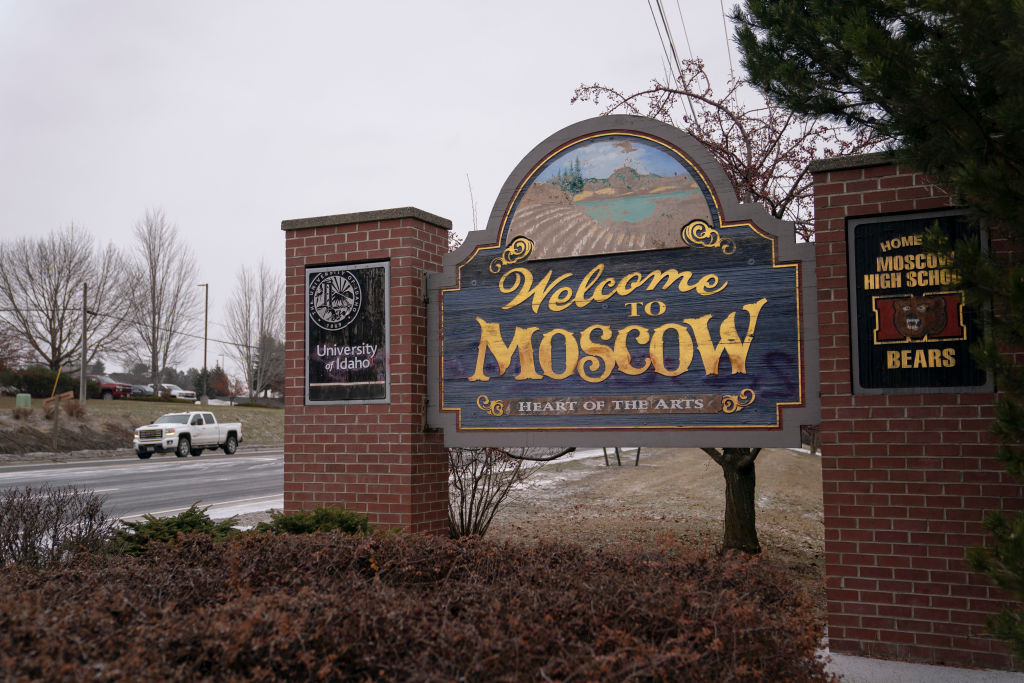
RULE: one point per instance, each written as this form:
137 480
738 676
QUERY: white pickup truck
185 433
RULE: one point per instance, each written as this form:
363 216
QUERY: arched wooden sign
621 295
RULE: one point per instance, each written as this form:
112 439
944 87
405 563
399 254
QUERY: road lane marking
211 505
86 465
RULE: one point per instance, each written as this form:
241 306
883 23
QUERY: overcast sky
232 116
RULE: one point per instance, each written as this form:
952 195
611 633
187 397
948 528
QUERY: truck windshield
180 418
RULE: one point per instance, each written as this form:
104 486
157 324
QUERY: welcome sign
621 295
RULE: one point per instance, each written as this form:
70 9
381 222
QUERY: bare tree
764 149
482 480
165 301
41 282
255 326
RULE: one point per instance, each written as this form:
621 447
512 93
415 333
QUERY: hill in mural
626 211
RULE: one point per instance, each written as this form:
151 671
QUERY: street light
206 317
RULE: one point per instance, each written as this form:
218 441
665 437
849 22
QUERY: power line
685 33
728 50
677 64
132 321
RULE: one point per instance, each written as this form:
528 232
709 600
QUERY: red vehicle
108 388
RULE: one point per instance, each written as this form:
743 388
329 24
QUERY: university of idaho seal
334 299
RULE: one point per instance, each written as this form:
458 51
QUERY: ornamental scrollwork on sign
495 408
699 234
736 403
518 250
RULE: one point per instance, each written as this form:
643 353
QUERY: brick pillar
375 459
907 477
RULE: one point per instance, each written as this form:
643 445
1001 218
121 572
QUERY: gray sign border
732 211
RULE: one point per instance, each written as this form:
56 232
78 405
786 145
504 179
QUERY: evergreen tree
570 179
941 80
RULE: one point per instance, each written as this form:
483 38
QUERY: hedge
404 607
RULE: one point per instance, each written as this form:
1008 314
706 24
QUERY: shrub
136 538
73 408
406 607
39 381
47 526
320 519
481 480
256 404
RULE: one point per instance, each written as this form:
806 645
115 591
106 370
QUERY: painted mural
613 193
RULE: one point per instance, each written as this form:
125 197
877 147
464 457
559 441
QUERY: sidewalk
867 670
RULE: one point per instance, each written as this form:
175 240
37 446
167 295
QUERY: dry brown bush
73 408
47 526
405 607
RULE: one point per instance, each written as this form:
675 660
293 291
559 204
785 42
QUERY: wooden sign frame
653 309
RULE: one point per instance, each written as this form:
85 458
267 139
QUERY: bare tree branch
764 149
255 327
41 283
165 301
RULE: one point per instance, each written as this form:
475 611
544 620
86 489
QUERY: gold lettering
626 287
594 361
909 359
561 299
622 355
599 293
572 354
589 279
520 283
524 283
596 353
490 340
705 286
658 349
729 340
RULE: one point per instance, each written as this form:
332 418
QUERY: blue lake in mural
628 209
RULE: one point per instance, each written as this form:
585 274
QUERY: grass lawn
260 425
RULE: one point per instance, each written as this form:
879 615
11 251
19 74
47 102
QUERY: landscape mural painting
613 193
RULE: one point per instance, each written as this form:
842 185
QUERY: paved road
166 485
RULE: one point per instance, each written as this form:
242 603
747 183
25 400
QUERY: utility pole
206 316
81 373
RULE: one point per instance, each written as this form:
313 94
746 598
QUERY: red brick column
907 478
375 459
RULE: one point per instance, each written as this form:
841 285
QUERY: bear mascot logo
916 316
936 315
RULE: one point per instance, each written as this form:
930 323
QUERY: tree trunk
740 481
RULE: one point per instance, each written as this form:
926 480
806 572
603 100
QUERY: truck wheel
144 455
231 445
108 396
196 452
184 447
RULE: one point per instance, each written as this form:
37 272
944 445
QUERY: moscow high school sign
620 295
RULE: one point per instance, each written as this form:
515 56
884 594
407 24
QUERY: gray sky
232 116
